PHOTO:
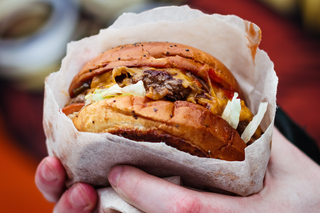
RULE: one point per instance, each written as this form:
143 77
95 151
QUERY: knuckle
186 203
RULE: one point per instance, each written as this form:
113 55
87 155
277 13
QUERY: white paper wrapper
88 157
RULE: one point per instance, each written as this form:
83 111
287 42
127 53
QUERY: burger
164 92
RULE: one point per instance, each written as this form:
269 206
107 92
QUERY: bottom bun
183 125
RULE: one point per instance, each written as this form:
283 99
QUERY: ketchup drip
229 94
219 83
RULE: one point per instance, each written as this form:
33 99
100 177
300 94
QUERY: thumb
152 194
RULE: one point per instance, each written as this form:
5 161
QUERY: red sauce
214 77
254 38
219 83
229 94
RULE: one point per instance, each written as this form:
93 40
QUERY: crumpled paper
88 157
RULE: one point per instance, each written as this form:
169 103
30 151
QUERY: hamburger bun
186 93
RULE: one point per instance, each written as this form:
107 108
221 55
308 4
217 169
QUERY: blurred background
33 38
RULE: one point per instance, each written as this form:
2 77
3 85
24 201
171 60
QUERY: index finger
50 177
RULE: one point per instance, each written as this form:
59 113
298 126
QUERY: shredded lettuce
116 91
255 122
111 91
135 89
232 115
232 111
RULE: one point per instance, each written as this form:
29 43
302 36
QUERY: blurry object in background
140 7
306 11
18 23
33 38
285 7
108 10
311 15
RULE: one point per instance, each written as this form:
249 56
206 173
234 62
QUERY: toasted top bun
161 55
186 126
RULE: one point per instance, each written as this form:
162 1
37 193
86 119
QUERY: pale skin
292 184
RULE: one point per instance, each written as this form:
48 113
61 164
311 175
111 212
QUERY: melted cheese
215 101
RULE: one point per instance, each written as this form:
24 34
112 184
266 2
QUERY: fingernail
114 175
78 197
48 172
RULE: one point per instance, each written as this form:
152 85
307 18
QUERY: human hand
50 180
291 185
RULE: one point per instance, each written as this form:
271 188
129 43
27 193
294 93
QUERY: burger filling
160 84
169 84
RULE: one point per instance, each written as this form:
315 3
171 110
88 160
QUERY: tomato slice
72 108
